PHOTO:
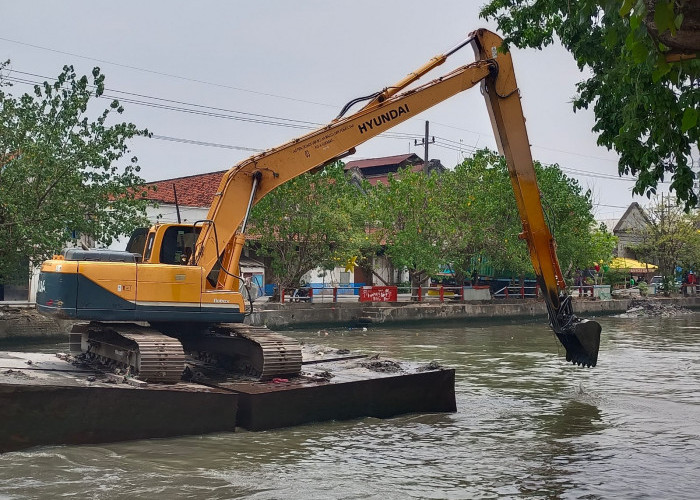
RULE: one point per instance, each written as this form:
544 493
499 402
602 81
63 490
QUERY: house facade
629 230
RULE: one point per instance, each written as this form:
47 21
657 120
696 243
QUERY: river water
528 425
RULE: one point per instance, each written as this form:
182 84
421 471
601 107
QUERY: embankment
22 321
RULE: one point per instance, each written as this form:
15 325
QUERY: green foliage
60 170
482 212
409 220
646 108
458 216
484 208
602 245
670 238
616 277
314 220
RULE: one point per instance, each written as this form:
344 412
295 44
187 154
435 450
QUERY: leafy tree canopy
484 206
670 238
644 92
60 169
409 216
427 222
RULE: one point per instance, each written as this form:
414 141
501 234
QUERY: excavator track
253 350
158 357
280 355
141 351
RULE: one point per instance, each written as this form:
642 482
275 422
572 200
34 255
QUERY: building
376 170
629 230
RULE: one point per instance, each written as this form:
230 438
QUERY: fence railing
518 291
438 293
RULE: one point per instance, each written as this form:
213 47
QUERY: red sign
378 294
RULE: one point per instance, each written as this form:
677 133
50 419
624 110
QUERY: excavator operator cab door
170 244
137 241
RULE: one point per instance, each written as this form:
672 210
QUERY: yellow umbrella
632 265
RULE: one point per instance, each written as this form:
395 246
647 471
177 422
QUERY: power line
576 154
216 112
223 113
199 108
204 143
160 73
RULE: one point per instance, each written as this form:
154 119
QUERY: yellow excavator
178 287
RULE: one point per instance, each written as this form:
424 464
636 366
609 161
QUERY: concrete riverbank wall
278 316
22 321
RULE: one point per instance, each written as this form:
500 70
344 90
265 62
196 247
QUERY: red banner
378 294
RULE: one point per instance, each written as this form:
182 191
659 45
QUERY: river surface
528 425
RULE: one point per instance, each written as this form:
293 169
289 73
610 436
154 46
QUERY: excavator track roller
255 351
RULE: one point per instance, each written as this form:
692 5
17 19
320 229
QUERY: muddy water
528 425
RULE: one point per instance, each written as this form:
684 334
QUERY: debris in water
17 374
324 375
653 308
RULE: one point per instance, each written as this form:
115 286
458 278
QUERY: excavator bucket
581 339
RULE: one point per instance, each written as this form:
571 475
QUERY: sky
217 81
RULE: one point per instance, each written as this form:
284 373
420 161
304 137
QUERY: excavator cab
165 243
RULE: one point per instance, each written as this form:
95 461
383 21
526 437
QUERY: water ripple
528 426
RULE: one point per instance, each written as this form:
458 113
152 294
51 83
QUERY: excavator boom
580 338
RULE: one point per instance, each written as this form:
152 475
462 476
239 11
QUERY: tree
314 220
644 95
409 219
60 170
482 221
674 25
670 238
484 207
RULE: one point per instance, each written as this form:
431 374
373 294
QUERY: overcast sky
273 69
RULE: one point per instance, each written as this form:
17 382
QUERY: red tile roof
198 190
192 190
378 162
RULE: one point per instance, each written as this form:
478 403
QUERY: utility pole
424 142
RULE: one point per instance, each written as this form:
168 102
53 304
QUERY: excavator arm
221 239
580 338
